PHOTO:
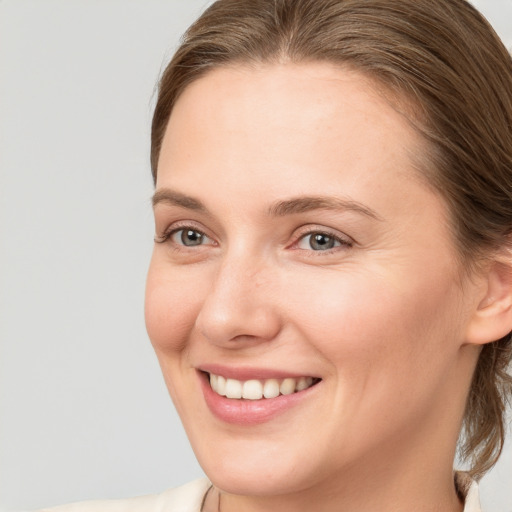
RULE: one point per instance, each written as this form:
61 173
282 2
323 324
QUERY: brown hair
442 57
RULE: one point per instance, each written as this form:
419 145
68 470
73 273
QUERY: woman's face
297 248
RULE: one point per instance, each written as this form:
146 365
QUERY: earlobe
492 318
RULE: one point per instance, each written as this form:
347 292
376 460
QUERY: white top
189 498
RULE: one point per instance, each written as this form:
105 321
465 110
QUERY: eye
189 237
319 241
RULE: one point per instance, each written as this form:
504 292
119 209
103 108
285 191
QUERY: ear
492 318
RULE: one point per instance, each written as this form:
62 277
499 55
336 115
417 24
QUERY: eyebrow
291 206
168 196
307 203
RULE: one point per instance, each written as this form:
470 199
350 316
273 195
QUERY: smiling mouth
259 389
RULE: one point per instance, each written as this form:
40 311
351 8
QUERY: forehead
298 101
307 125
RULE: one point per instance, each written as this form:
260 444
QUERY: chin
256 466
249 481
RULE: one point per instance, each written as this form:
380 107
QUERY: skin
384 318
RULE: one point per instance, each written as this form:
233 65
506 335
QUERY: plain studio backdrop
84 412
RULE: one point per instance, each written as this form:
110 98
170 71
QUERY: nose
241 304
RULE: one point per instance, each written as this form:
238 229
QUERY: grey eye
321 242
318 242
189 237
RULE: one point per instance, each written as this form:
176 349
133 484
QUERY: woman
330 293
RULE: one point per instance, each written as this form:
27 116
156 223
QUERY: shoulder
187 498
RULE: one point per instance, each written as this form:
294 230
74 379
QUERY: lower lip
249 412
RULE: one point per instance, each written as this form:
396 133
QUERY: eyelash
169 232
344 243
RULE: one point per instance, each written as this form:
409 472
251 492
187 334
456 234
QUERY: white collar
467 488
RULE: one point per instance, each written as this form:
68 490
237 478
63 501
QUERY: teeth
271 388
233 388
252 390
287 387
256 389
304 383
221 385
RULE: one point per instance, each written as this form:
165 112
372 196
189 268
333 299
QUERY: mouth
253 396
255 389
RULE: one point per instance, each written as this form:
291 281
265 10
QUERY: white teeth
256 389
271 388
287 387
302 383
233 388
252 390
221 385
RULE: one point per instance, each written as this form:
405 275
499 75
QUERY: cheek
371 324
381 340
171 307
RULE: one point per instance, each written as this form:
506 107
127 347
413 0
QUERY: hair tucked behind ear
485 417
441 57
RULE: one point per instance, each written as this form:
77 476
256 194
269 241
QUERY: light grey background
83 409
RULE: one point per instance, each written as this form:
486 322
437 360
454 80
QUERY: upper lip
244 373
